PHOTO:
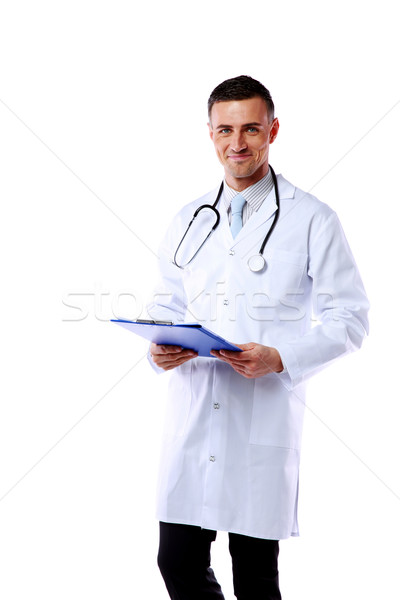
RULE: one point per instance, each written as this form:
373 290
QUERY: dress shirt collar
254 195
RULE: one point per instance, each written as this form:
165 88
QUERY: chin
242 174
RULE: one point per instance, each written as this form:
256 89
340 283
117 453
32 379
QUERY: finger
173 359
218 355
232 353
238 366
171 364
229 356
164 349
236 360
240 370
179 358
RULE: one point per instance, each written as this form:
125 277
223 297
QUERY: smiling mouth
239 157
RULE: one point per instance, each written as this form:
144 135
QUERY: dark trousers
184 560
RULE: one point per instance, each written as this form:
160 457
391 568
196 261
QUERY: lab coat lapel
259 219
266 211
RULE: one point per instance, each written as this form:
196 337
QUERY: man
232 442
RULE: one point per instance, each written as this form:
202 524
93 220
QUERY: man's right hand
169 357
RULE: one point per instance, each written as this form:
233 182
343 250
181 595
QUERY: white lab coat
231 450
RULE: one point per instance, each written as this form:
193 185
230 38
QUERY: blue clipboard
188 335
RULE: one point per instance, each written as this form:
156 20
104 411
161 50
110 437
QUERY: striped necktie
236 208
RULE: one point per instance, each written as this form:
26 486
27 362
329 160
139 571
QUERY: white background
102 138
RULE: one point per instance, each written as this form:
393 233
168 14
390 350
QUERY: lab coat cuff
290 376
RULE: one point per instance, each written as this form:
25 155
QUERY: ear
274 130
210 131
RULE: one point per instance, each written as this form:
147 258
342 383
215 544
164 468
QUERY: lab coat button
226 302
212 458
216 405
231 253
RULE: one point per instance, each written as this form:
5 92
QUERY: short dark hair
242 87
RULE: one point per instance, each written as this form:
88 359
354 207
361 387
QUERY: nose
238 142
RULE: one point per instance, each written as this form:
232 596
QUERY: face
242 133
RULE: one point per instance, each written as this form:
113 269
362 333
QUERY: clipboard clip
151 322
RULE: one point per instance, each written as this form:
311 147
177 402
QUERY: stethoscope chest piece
257 263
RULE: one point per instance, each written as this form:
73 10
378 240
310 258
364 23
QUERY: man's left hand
256 360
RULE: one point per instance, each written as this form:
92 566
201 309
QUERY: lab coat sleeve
340 305
168 301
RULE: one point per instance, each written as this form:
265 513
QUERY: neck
241 183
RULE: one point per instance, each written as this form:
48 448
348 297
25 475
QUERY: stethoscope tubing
276 217
213 207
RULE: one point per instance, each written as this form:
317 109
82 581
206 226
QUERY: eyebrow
254 124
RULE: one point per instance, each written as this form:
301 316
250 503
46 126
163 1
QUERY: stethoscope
256 263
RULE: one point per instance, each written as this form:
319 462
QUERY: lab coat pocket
179 401
284 271
278 293
277 416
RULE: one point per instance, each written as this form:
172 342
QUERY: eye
252 129
225 131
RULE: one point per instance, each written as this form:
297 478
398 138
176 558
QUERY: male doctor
231 450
